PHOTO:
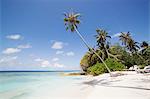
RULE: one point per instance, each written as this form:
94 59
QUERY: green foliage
114 65
124 56
99 68
127 59
116 50
130 59
146 55
138 59
85 63
141 66
89 59
96 69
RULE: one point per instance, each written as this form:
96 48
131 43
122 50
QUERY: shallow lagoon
30 85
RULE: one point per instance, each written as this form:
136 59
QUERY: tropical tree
125 37
144 44
146 55
132 45
71 22
145 52
101 37
102 42
129 43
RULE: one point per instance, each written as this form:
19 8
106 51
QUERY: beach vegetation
99 68
105 57
72 21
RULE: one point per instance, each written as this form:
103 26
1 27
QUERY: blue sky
33 36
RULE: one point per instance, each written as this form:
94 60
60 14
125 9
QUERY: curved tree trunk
81 37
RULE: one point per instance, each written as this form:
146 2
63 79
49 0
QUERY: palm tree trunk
107 52
81 37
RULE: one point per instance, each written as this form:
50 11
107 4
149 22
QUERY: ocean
38 85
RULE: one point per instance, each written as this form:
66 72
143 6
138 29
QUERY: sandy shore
129 86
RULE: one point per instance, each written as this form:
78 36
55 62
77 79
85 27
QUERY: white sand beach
129 86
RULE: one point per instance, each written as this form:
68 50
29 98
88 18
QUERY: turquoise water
20 85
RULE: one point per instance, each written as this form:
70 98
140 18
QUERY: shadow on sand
106 83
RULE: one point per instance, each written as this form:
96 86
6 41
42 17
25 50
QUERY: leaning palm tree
71 21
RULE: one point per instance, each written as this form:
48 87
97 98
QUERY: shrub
141 66
99 68
84 63
96 69
114 65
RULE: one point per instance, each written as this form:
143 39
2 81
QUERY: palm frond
77 15
66 20
65 14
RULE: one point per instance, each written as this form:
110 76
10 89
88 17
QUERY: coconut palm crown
129 43
132 45
71 20
125 37
101 37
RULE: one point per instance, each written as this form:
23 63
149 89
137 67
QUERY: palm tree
132 45
71 21
129 43
124 37
144 45
145 50
101 39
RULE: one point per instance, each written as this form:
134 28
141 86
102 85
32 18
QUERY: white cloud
11 50
42 62
14 58
57 45
116 35
58 65
38 59
24 46
70 53
59 52
8 59
16 50
14 37
2 60
55 59
8 62
45 63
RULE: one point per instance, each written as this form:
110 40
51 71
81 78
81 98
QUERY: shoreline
130 85
127 85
